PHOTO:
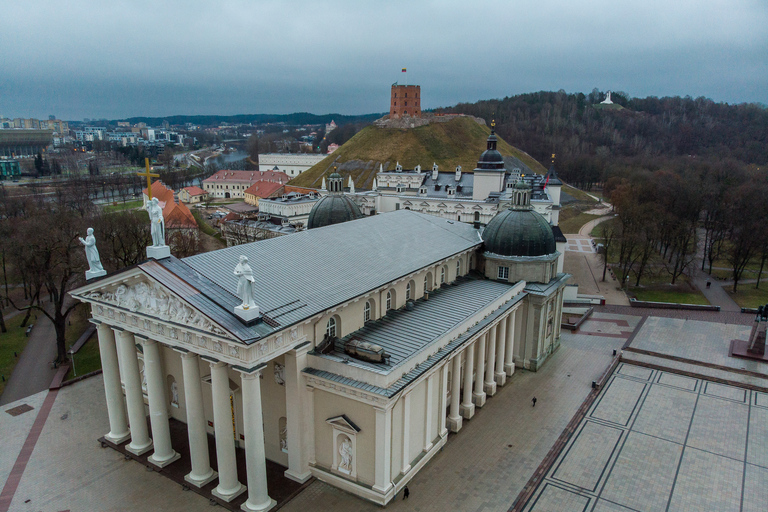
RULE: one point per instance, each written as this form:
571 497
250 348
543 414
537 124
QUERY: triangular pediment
459 206
134 291
442 205
477 207
343 423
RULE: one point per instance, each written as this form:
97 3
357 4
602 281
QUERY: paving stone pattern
656 441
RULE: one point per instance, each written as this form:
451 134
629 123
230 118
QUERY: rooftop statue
245 283
92 255
157 222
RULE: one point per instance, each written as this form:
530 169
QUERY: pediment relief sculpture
154 300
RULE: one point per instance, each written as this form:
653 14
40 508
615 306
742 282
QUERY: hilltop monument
607 100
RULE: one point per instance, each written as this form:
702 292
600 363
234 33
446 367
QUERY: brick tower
405 101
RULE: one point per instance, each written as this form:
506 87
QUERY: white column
134 398
310 407
442 406
509 352
158 411
501 353
467 406
454 418
429 416
118 424
490 382
258 497
201 473
229 487
406 458
382 478
478 396
297 418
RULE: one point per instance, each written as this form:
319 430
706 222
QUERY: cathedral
385 333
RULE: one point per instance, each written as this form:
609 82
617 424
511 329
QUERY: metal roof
422 368
404 333
306 273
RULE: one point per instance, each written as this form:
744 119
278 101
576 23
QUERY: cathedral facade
386 333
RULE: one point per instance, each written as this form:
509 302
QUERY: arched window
477 216
367 312
442 275
330 328
426 285
408 292
389 300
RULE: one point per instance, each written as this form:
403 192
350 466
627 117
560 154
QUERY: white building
465 197
357 401
292 207
291 164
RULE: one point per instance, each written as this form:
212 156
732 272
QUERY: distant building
330 127
9 169
291 164
332 148
405 101
227 184
290 208
192 195
261 190
23 143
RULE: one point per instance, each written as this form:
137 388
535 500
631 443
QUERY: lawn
11 342
573 224
204 226
87 359
128 205
674 295
748 297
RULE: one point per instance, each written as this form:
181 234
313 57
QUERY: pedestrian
406 492
534 401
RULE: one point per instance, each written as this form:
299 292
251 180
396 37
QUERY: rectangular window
503 272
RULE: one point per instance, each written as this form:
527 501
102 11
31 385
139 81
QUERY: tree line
587 136
670 215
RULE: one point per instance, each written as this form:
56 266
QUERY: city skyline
123 60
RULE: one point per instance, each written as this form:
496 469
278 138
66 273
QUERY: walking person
534 401
406 492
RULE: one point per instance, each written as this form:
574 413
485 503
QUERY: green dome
333 209
519 233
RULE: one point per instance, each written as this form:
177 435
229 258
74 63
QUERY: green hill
456 142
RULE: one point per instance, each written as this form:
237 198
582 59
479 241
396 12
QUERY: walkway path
33 372
715 294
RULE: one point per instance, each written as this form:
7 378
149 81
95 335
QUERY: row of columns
119 357
488 361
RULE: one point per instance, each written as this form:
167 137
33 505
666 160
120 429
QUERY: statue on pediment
245 283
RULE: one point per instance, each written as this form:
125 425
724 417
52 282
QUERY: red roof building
192 195
260 190
176 215
233 184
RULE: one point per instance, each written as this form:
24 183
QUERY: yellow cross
148 175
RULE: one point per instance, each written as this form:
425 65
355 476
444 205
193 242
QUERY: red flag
546 182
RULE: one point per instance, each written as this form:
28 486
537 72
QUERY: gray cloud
124 58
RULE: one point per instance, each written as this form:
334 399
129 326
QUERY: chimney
434 171
458 173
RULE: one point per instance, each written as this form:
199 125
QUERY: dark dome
519 233
491 158
333 209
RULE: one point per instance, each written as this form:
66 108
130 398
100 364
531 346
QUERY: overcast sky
119 59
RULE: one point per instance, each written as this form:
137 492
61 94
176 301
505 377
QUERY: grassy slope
457 142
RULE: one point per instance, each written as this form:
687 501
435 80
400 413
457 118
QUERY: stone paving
696 340
483 467
657 441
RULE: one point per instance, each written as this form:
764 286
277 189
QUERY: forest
591 139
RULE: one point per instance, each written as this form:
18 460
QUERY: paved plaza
659 441
652 440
